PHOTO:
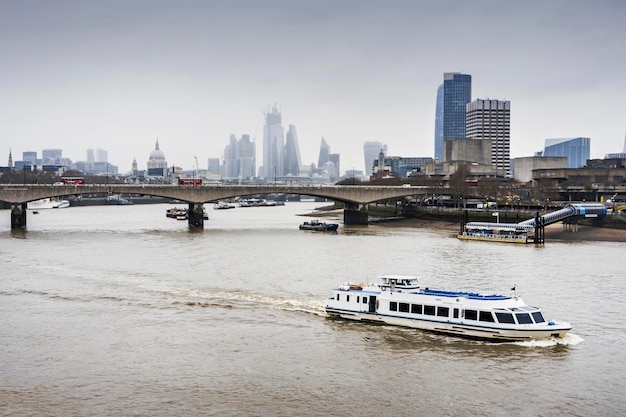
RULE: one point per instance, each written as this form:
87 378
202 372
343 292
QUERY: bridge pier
195 215
18 215
354 213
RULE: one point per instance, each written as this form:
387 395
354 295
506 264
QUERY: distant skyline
118 74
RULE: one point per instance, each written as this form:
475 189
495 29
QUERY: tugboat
399 300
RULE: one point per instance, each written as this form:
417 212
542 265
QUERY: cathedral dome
157 154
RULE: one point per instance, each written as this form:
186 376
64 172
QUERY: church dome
157 154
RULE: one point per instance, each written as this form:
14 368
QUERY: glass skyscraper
439 125
577 150
292 153
273 143
457 92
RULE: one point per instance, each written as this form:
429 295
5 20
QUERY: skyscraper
273 143
292 153
102 155
577 150
438 125
457 92
239 158
491 119
324 153
370 152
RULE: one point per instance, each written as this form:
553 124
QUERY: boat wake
570 339
240 299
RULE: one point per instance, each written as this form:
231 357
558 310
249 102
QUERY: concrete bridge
355 198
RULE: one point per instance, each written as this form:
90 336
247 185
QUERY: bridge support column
18 215
355 214
195 215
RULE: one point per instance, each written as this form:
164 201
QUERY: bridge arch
355 198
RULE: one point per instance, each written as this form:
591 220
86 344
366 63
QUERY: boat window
456 313
485 316
538 317
364 300
357 299
416 308
471 314
337 297
505 318
404 307
429 310
393 306
443 311
523 318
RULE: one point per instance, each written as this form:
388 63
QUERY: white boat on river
399 300
47 203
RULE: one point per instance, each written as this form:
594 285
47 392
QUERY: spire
10 159
156 148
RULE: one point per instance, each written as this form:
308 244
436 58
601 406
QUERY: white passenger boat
399 300
47 203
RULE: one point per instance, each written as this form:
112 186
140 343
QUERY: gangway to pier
570 210
531 230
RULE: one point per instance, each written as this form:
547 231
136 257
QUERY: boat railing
496 236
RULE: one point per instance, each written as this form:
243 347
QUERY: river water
118 310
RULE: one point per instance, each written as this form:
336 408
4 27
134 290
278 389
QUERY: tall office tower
335 159
239 158
457 92
102 155
91 158
273 143
439 125
51 156
371 150
577 150
292 153
491 119
30 157
324 153
213 165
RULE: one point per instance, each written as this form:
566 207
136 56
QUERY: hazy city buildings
491 120
239 158
273 143
577 150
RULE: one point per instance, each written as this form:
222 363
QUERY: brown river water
120 311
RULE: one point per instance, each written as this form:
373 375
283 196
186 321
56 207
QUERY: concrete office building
491 119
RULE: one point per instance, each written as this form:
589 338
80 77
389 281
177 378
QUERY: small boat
222 205
319 226
399 300
174 212
47 203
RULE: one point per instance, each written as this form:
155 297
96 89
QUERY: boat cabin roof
399 279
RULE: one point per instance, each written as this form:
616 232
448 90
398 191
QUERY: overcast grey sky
117 74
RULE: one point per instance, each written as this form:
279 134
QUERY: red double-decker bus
73 180
190 181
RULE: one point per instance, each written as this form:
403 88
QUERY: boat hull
455 328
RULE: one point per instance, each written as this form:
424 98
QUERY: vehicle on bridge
73 180
190 181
